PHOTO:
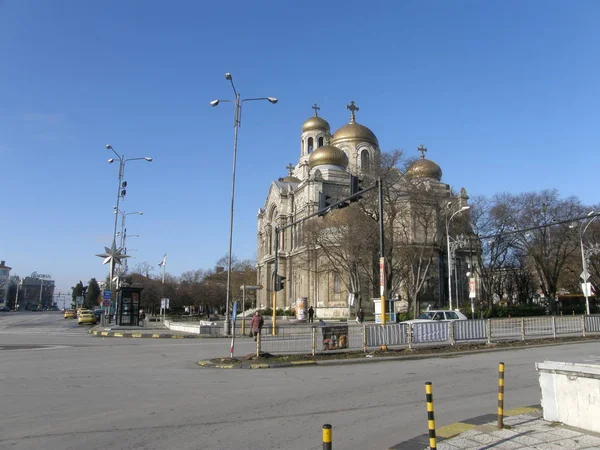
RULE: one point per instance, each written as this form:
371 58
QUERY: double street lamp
121 185
452 248
121 191
237 120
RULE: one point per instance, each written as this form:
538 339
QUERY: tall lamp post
450 251
237 121
120 193
585 257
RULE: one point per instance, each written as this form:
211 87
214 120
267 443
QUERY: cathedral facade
325 164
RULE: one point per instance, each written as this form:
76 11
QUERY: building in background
4 277
36 292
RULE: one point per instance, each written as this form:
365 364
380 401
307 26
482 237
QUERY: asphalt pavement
65 389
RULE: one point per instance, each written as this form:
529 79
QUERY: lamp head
111 160
109 147
590 213
464 208
214 103
228 76
147 158
272 99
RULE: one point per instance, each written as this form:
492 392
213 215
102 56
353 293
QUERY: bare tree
548 246
144 268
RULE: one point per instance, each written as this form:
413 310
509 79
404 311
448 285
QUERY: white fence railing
318 339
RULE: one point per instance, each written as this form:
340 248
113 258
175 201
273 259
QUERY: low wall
571 393
194 328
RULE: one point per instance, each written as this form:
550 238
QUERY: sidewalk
524 429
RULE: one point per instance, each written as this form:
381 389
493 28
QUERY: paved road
68 390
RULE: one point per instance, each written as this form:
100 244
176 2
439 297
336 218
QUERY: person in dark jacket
256 324
311 314
360 316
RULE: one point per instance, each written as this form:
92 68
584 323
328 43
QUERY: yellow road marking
453 429
517 411
259 366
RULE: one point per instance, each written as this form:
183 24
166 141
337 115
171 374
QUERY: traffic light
279 282
324 203
355 188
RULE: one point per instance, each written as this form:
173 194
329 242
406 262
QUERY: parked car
87 316
438 315
4 309
69 314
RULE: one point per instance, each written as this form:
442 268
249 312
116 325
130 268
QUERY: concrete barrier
571 393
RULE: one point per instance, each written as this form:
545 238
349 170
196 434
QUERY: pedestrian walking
142 317
311 314
360 316
256 324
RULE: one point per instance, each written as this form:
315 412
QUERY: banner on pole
472 288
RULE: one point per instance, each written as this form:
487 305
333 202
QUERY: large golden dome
354 132
328 155
315 123
424 168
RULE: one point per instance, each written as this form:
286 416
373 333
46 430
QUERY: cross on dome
353 108
316 108
422 149
290 167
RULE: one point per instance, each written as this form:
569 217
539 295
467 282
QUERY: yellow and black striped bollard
327 437
501 395
430 416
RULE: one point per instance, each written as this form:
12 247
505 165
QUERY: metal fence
316 339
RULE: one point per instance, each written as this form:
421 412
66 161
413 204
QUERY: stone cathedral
325 163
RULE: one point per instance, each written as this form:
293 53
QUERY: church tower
358 142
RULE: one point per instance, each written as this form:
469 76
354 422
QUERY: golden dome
424 168
328 155
354 132
315 123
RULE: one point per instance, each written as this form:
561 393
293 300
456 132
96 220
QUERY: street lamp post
237 120
120 193
123 233
451 250
585 256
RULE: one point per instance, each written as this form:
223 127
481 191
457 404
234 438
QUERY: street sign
584 275
234 311
472 288
252 287
164 303
106 294
79 300
106 303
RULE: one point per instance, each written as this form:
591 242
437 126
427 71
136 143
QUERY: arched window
310 145
320 142
336 284
365 163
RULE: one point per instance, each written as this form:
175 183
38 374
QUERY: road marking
517 411
453 429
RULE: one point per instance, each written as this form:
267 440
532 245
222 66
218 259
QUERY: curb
378 359
142 335
454 429
251 365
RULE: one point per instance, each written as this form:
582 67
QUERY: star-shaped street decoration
112 256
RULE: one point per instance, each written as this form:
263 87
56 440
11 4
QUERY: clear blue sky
505 95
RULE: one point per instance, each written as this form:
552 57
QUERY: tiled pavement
522 431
